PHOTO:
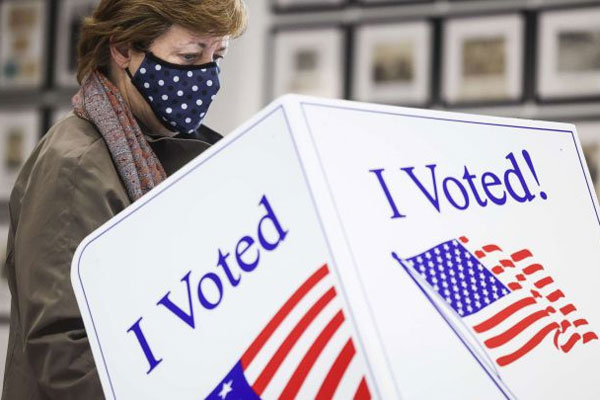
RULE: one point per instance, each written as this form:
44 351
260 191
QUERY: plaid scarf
100 102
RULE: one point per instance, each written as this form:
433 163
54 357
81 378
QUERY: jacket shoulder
71 137
66 190
73 147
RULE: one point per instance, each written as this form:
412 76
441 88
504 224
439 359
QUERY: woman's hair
139 22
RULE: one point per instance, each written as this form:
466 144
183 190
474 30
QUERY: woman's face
177 46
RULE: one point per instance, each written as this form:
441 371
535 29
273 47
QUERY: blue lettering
388 195
469 178
214 278
188 318
529 162
242 247
495 181
434 200
516 172
462 190
270 216
223 264
210 288
141 338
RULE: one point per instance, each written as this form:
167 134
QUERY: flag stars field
510 318
226 389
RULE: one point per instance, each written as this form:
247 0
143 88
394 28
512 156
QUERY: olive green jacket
67 188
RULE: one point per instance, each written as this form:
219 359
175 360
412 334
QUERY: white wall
242 80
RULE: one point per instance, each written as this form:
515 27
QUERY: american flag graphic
305 351
509 302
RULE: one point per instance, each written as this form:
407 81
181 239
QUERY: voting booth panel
244 295
476 241
331 249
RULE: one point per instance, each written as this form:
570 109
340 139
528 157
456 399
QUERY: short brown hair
139 22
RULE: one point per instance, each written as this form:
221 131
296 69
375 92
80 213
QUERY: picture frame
19 134
589 136
393 62
285 6
483 59
22 44
309 61
568 65
69 20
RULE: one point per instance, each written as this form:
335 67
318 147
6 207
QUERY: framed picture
19 133
309 61
483 59
393 63
22 43
70 17
306 5
589 135
569 54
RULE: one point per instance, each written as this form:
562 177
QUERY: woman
148 72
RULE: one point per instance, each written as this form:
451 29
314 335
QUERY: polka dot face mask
178 94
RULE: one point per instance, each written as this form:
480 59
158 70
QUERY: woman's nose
207 57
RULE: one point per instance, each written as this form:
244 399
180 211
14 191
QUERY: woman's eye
189 57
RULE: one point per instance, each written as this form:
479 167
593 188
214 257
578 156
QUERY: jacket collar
204 134
176 151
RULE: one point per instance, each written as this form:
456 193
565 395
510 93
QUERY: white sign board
330 249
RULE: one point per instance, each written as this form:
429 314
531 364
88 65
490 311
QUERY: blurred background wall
537 59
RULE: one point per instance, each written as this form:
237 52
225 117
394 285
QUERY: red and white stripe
536 309
306 350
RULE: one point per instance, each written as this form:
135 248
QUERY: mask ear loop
129 73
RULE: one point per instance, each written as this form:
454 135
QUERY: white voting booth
331 249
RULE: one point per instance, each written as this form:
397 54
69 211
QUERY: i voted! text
470 189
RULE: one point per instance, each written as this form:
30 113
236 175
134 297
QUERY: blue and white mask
178 94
